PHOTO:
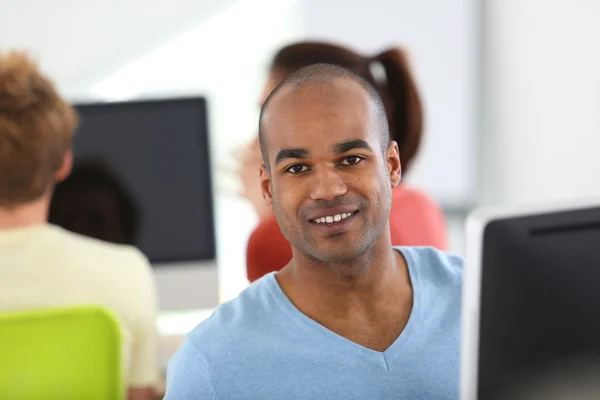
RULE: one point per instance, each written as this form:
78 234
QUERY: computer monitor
531 304
142 176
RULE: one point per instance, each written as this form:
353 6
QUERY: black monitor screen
540 304
141 176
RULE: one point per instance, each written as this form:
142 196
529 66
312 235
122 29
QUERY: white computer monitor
531 303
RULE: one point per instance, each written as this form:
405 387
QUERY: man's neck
363 285
25 215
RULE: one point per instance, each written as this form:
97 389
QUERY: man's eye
352 160
296 169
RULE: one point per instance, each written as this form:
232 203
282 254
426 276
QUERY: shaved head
323 75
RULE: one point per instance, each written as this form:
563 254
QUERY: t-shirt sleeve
188 376
268 250
144 367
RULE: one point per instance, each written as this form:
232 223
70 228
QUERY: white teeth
332 218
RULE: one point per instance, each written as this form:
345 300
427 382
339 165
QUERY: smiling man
350 317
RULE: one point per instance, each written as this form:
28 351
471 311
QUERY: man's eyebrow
291 153
344 147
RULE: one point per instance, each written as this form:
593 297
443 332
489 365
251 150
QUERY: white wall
81 41
542 101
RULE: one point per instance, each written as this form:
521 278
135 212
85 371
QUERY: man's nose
327 184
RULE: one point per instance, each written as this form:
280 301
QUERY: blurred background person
93 202
415 219
42 265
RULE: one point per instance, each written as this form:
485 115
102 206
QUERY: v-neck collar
378 357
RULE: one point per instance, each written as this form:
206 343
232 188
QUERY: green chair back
61 353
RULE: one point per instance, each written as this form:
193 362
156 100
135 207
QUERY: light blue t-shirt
260 346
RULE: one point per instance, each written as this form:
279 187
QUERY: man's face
329 180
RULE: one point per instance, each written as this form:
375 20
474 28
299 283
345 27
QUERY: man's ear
265 185
65 169
394 167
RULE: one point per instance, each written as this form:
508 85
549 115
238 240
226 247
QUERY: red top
415 220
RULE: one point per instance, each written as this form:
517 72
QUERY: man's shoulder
227 344
236 319
436 278
434 264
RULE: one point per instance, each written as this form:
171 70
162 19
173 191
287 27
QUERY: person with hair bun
415 219
43 265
